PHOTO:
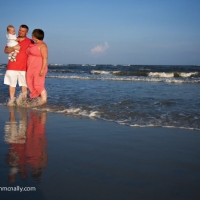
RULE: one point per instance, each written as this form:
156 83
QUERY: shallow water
166 96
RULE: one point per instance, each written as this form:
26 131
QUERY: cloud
100 48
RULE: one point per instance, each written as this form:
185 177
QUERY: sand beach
72 158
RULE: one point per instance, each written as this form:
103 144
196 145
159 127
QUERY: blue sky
160 32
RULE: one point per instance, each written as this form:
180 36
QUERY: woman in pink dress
37 66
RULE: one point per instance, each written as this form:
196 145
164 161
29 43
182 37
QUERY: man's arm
10 49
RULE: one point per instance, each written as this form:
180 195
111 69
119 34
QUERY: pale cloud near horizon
100 48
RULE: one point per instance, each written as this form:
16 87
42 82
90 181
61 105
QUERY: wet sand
69 158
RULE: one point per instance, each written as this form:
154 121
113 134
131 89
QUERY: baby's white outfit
11 43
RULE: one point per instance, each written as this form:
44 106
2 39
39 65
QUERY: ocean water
132 95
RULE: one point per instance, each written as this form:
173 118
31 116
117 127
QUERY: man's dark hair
38 34
24 26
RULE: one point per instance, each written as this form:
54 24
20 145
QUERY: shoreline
95 159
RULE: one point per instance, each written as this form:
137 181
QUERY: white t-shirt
11 40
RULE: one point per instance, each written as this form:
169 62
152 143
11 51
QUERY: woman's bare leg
44 96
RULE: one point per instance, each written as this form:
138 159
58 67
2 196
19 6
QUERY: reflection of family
27 64
27 144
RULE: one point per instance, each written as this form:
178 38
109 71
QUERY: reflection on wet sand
25 134
36 155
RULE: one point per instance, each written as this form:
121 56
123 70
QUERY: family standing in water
27 65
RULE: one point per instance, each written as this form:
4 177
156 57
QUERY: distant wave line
146 79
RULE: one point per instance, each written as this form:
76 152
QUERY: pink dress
36 142
35 82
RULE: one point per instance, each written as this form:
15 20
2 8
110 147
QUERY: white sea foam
115 72
161 74
144 125
153 125
94 114
73 112
72 77
188 74
171 74
56 64
100 72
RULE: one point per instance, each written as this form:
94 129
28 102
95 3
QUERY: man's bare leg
12 96
12 92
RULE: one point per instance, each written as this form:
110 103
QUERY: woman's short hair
38 34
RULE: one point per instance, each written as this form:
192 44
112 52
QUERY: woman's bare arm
44 53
